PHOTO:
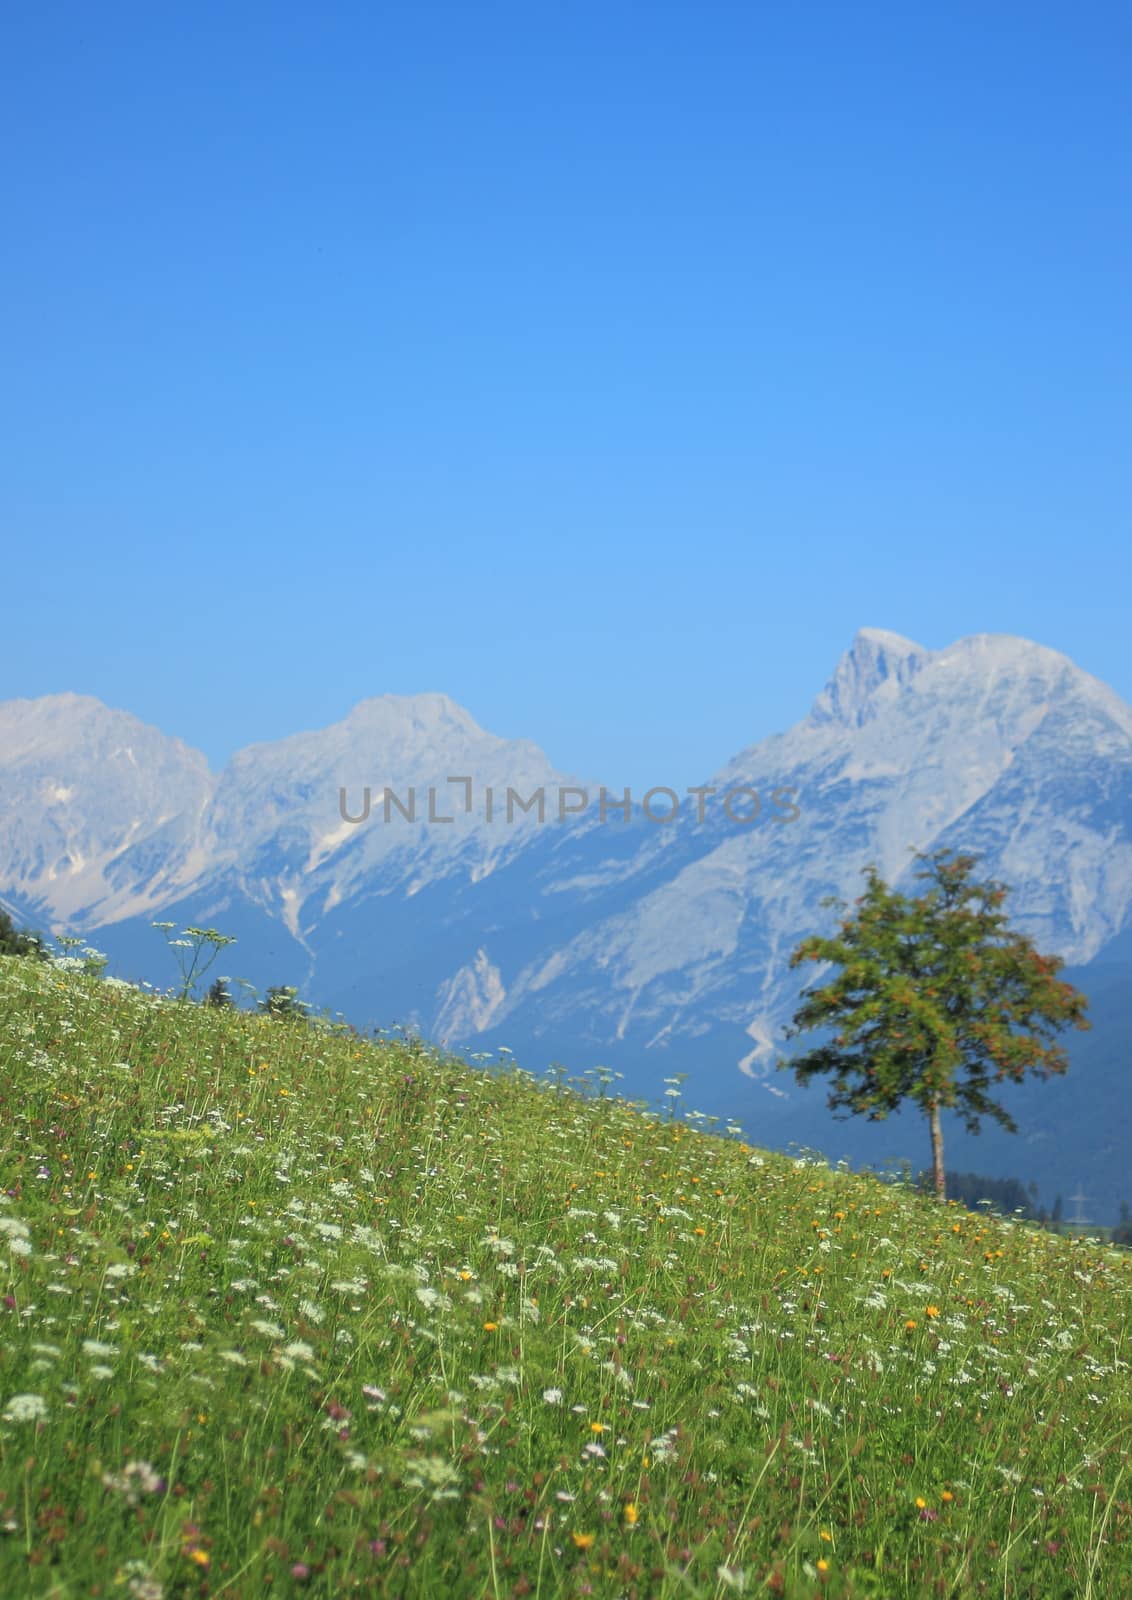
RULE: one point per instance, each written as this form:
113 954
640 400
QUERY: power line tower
1078 1219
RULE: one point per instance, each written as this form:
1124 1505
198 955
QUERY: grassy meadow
288 1313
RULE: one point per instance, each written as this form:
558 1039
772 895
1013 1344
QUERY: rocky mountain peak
876 661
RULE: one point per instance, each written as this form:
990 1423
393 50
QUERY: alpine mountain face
657 947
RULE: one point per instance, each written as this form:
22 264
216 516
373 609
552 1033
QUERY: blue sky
603 366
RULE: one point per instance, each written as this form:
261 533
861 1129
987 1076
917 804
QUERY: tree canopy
14 942
934 999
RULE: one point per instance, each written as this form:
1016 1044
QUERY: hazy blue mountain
993 744
101 816
652 948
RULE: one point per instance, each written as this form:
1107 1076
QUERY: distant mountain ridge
657 947
100 815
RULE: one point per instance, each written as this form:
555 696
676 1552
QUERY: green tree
13 942
935 999
1122 1233
218 994
971 1188
281 1000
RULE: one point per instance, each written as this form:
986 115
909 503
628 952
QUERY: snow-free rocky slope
653 948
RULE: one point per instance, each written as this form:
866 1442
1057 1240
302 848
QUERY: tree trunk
937 1150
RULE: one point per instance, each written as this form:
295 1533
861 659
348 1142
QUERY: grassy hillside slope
290 1314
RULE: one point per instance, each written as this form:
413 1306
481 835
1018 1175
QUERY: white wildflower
25 1408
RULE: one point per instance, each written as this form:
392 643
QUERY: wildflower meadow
287 1312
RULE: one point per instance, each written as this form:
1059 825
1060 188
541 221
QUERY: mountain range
600 933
